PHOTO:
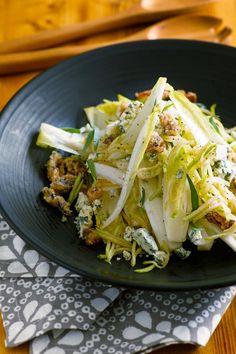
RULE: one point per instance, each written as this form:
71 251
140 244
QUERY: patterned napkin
63 313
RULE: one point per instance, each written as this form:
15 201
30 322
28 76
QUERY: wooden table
22 17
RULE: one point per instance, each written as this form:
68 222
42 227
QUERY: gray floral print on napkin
64 313
138 321
31 307
17 259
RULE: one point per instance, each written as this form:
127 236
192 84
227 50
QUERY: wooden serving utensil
184 27
146 10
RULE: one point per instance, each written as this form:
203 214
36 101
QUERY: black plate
58 96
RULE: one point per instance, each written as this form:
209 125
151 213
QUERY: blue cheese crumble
129 232
195 235
161 258
182 253
146 241
126 255
223 167
85 214
96 205
128 115
82 200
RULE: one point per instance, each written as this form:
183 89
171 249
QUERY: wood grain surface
24 17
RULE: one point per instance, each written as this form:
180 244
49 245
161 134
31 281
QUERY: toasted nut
219 220
170 126
156 144
233 185
91 238
94 193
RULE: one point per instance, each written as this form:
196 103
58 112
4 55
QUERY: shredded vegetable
146 177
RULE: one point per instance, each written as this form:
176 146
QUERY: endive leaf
60 139
195 120
152 100
135 160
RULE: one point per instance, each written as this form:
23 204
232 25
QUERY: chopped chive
143 196
214 125
194 195
92 170
71 130
96 137
213 109
75 190
89 140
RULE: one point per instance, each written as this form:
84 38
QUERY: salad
149 177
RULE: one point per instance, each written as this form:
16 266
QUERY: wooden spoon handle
137 14
54 37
